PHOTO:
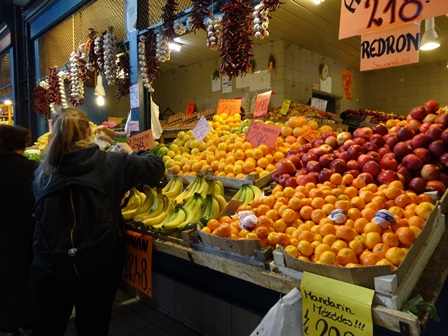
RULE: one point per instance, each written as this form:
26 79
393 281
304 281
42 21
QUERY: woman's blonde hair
71 131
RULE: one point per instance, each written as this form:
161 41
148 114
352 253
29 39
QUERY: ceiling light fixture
99 91
175 46
318 2
8 102
430 39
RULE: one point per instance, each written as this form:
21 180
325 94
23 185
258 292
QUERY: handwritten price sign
262 104
138 268
201 129
229 106
261 133
345 310
285 106
360 17
141 141
190 108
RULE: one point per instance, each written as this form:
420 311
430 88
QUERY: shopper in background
71 152
16 229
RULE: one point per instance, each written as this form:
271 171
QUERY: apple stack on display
415 153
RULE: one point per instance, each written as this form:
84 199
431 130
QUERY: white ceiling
313 27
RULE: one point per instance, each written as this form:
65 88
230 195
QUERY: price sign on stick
285 106
138 263
310 135
229 106
345 310
262 104
201 129
261 133
141 141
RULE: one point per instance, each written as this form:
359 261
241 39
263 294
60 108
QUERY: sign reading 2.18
407 11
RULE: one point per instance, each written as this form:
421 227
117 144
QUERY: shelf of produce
388 318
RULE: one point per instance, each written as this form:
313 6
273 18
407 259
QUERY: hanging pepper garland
40 101
199 13
53 93
123 77
168 13
89 50
236 45
148 59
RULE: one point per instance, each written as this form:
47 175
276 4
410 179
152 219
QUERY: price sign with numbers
285 106
310 135
141 141
229 106
360 17
190 108
262 104
138 263
261 133
345 310
201 129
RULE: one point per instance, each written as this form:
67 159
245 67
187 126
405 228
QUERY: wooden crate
391 290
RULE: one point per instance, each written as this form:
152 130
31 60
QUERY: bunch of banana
247 193
199 185
213 206
161 209
137 202
215 187
173 188
183 214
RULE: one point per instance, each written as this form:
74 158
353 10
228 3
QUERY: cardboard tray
365 276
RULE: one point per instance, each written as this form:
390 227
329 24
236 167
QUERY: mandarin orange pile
228 154
297 219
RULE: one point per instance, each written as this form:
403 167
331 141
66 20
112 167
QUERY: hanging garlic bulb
163 50
142 62
214 30
110 57
63 75
261 21
75 93
179 28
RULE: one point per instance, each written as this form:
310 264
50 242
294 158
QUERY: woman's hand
124 147
108 131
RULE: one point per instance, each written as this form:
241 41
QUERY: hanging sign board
262 104
361 17
138 261
261 133
390 47
346 309
201 129
229 106
141 141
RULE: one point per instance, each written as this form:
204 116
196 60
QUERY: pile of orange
297 219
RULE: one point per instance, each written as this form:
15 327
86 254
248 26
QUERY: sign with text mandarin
366 16
141 141
229 106
345 310
138 263
261 133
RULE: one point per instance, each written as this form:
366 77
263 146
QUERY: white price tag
319 104
201 129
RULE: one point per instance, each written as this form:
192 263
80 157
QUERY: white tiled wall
394 90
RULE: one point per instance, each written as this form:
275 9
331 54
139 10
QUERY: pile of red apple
416 154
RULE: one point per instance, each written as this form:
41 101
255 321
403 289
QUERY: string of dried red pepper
168 13
124 76
235 48
199 13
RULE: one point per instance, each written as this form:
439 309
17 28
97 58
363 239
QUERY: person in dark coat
16 229
70 153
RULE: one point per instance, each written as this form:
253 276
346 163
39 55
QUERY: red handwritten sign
229 106
262 104
138 263
261 133
141 141
310 135
190 108
390 47
360 17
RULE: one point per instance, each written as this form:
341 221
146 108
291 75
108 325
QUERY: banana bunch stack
173 188
137 202
247 193
202 186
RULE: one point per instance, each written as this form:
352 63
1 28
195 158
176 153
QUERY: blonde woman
60 286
